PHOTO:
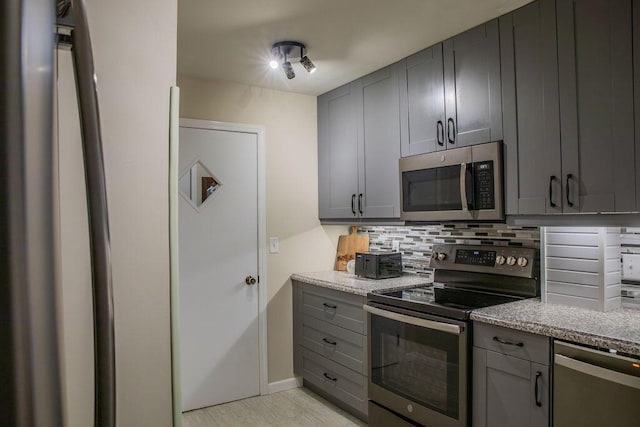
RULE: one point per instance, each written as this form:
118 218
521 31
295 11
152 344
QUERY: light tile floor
297 407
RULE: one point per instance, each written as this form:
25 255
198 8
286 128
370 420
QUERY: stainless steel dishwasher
594 388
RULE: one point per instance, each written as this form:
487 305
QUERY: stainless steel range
420 338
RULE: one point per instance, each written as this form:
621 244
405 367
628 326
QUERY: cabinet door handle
451 131
551 179
440 133
569 202
328 341
503 341
329 377
360 204
353 204
538 376
331 306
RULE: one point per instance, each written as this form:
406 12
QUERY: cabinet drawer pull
538 376
328 341
331 306
551 179
569 202
353 204
360 204
451 130
503 341
440 133
329 377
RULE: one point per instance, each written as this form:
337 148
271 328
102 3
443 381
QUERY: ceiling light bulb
307 64
273 64
288 70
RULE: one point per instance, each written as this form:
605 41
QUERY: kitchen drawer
338 308
335 343
514 343
338 382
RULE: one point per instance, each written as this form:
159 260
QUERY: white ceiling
346 39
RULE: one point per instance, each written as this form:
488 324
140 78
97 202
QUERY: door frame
259 131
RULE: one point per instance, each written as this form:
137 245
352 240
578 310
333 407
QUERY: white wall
292 191
135 58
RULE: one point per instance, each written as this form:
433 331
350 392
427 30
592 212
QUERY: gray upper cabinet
595 58
531 110
359 148
473 103
422 102
338 152
451 93
379 188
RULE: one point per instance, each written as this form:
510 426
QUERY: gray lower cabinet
330 345
359 148
511 378
533 169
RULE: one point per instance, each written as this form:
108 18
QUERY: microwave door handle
463 186
416 321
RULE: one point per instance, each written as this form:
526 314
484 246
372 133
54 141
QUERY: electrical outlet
274 245
395 245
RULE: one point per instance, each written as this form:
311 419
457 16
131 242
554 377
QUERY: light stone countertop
343 281
617 330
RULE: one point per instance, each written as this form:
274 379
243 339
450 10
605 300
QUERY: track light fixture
283 52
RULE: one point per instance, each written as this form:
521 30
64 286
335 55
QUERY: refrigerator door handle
105 378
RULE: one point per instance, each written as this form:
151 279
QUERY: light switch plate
274 245
395 246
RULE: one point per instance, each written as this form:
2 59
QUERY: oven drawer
338 308
345 385
335 343
512 342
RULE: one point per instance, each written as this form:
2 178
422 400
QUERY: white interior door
218 244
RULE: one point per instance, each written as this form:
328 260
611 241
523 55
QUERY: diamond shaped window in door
197 184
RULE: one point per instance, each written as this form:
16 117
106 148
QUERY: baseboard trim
284 385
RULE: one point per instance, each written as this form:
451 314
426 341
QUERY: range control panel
506 260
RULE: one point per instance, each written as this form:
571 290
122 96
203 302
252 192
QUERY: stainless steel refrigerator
30 378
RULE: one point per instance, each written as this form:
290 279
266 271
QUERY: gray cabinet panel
531 109
422 102
528 346
636 92
505 391
596 105
473 101
379 189
337 152
334 343
335 380
339 308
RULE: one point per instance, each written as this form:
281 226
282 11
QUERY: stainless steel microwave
461 184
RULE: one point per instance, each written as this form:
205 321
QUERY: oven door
418 365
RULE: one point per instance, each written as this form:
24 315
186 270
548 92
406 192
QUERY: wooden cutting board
348 246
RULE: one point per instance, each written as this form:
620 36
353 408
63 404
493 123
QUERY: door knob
250 280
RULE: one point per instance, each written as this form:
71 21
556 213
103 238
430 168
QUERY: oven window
416 363
436 189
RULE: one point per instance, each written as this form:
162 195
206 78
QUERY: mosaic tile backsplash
416 242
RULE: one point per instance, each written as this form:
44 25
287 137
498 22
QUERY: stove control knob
442 256
500 260
511 260
522 261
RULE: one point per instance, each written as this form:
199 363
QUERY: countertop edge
560 333
406 281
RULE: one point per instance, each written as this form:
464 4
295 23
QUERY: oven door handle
430 324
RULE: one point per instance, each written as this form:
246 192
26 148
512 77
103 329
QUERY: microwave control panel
483 185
